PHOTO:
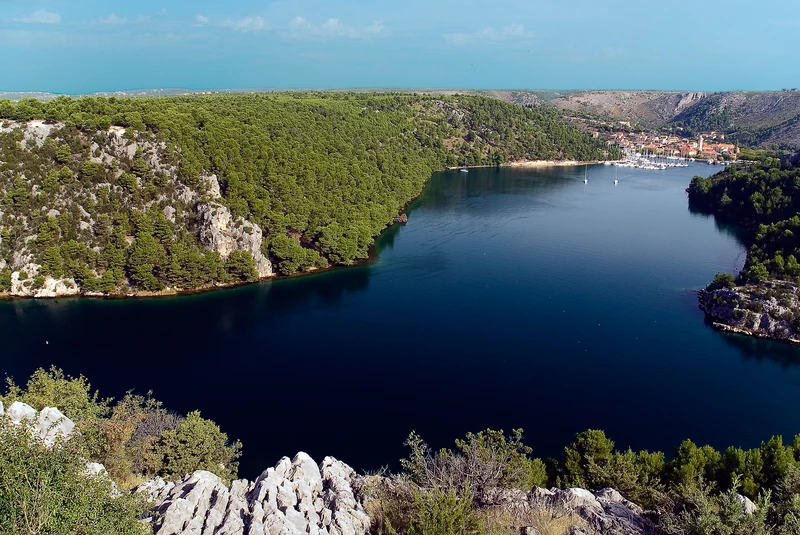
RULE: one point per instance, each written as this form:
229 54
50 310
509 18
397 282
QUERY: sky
82 46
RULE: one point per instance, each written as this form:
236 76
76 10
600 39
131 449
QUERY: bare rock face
22 284
221 232
767 310
295 497
49 424
605 512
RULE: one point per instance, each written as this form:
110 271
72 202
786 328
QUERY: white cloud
506 33
41 16
246 24
200 20
113 19
611 52
302 28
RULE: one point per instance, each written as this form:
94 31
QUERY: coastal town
710 146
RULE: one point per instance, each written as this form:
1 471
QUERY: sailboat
586 174
464 169
616 180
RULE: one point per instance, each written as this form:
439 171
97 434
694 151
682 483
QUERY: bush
700 511
443 512
136 438
196 444
586 460
47 490
53 388
486 463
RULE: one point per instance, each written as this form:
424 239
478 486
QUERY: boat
586 174
464 170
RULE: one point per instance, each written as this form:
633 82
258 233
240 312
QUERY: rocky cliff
102 175
765 310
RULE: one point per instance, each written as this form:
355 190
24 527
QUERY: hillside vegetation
111 195
763 197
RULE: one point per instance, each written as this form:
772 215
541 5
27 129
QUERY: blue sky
74 46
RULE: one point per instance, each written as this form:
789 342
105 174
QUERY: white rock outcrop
221 232
294 498
49 424
605 512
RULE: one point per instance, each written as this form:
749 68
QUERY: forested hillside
128 195
764 197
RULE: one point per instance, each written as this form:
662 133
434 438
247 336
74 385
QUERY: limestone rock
747 505
221 232
761 310
605 512
294 497
49 424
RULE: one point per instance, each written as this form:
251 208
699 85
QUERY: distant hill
767 118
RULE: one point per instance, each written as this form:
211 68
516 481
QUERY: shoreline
372 255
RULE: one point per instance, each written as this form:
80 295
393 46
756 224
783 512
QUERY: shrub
195 444
443 512
586 460
47 490
52 388
486 463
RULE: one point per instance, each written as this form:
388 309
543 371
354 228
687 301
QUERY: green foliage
241 266
322 174
587 458
46 490
293 256
723 280
52 388
5 280
764 197
443 512
693 464
133 438
197 444
484 463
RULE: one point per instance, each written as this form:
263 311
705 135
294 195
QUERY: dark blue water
513 298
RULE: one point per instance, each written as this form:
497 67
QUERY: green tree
241 266
588 458
196 444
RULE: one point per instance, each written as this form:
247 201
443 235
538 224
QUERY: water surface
513 298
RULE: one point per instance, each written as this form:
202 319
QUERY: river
513 298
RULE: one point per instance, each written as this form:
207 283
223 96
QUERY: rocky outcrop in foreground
293 498
603 513
298 497
48 424
766 310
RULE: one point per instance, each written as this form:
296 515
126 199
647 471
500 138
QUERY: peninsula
762 196
106 196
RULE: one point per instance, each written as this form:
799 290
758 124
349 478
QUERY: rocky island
153 196
762 197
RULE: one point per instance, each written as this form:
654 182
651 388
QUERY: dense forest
694 490
763 197
109 195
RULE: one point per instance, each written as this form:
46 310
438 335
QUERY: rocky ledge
300 497
769 309
295 497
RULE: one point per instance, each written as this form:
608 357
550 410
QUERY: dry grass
545 520
389 504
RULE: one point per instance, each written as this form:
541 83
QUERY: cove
513 298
